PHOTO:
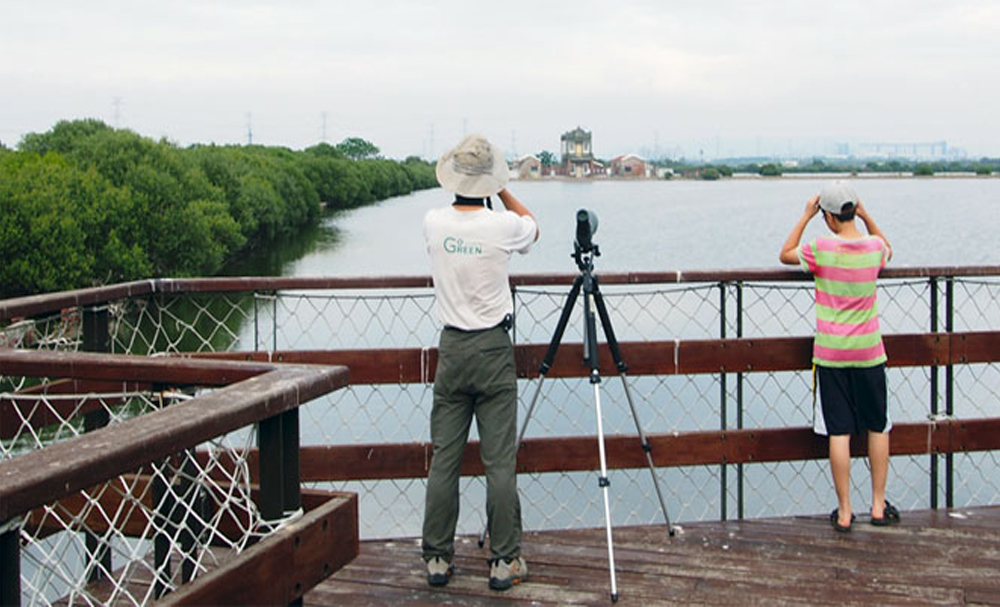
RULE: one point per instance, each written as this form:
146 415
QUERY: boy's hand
860 210
789 251
812 207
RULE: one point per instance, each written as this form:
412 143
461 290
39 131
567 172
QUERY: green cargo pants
475 376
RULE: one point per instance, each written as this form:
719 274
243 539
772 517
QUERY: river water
659 225
650 226
654 226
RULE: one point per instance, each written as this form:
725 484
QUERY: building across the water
577 161
578 154
528 167
631 166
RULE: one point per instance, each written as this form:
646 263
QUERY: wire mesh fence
303 319
135 537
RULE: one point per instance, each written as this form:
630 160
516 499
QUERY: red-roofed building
629 165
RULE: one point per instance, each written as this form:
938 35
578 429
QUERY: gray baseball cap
835 195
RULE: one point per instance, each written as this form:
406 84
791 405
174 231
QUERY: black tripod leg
550 355
609 332
557 335
609 335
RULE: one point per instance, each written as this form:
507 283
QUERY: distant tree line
765 168
769 168
86 204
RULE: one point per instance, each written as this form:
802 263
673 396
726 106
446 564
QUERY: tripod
592 299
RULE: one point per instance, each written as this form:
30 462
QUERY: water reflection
276 258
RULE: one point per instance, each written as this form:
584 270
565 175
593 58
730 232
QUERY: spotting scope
586 227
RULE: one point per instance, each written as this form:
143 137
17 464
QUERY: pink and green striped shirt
847 330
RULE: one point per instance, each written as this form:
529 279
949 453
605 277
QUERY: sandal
834 520
890 516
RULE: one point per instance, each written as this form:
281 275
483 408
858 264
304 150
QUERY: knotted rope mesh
97 546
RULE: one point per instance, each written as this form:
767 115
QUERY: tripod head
584 247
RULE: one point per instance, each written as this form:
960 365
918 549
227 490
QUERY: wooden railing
939 435
320 542
35 305
414 365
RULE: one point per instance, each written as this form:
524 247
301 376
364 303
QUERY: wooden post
291 490
272 484
739 400
162 505
280 490
949 392
723 413
934 393
191 519
96 338
10 565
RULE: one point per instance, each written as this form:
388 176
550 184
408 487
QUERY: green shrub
770 170
62 227
86 204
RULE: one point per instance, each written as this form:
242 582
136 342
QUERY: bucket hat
475 168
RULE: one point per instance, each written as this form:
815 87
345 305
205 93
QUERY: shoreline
755 176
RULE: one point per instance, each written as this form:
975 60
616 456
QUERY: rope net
137 536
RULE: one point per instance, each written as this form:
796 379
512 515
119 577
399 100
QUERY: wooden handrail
417 365
35 305
682 357
579 453
261 391
286 564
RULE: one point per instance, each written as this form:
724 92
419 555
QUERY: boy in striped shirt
848 355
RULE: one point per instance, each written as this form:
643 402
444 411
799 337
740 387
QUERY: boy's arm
871 226
789 251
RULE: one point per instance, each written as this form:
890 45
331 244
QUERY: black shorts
853 400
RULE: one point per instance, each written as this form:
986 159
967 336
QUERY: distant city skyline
721 148
709 148
730 78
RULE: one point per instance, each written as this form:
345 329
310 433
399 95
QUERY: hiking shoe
439 571
505 573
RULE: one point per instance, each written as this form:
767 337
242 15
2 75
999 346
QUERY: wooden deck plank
564 583
943 557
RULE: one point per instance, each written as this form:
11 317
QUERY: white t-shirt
470 251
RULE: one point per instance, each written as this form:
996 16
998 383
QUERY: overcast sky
712 78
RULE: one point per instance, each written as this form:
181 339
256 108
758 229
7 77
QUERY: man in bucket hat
470 247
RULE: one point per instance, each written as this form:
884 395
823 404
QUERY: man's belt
505 324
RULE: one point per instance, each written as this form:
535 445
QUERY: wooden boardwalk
942 557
